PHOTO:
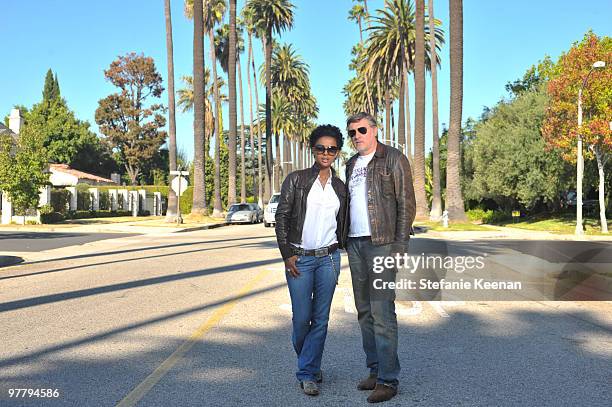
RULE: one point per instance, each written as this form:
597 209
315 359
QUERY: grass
559 224
454 227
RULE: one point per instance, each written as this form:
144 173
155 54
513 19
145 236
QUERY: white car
270 212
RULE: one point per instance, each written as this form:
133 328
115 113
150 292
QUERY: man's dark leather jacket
291 209
391 201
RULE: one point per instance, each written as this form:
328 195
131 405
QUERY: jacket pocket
387 184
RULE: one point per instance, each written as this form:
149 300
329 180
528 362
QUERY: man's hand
291 267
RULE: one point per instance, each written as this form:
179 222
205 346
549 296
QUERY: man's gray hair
360 116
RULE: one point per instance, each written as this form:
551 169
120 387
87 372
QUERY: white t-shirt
322 206
358 190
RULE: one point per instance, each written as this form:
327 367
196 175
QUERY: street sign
179 182
179 172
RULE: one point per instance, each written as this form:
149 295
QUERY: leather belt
321 252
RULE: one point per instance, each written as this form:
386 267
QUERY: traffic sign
179 185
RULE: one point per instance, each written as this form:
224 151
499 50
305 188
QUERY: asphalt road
39 241
203 319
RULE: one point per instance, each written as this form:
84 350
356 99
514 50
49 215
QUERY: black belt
323 251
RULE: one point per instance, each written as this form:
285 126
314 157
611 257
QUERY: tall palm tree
419 117
213 11
454 197
231 192
357 14
436 202
250 28
199 186
172 200
186 99
270 16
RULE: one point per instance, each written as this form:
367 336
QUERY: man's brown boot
382 393
367 384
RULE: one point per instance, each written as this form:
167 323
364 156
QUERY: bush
83 198
105 202
499 217
60 199
479 215
53 217
46 209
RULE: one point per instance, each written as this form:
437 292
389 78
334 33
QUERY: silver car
244 213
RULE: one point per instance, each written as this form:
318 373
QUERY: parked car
568 200
242 213
270 212
260 213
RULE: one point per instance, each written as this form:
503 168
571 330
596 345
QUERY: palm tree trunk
401 135
436 202
261 175
243 175
387 137
171 211
408 63
454 197
393 141
277 166
233 126
268 53
419 113
199 191
218 129
256 180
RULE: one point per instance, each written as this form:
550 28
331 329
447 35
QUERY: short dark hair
326 130
359 116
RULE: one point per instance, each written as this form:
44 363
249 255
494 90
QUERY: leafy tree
22 168
51 90
509 158
561 127
129 124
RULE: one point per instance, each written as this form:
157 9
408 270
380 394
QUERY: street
204 318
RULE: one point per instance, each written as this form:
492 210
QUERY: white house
64 176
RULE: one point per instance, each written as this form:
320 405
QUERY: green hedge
55 217
60 199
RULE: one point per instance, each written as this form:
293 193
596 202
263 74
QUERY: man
381 211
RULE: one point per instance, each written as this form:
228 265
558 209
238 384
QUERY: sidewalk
144 225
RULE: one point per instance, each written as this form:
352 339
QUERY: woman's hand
291 267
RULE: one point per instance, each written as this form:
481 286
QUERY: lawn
454 227
559 224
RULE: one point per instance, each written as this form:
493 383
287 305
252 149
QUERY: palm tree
172 200
248 21
231 193
454 198
186 99
436 203
419 116
357 14
199 186
270 16
213 15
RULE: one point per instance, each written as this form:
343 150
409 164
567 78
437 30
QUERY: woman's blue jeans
311 296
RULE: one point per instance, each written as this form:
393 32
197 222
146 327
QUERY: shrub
105 204
53 217
60 199
83 198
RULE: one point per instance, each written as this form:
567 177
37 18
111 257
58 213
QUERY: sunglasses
362 130
319 149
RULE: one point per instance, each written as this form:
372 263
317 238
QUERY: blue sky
78 40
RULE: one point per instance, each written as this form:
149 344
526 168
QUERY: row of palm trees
401 39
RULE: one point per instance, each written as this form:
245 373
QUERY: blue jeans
311 296
376 316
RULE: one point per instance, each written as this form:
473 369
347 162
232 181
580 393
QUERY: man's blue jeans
311 296
376 316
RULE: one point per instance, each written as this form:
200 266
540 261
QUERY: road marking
147 384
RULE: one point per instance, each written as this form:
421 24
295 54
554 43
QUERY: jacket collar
380 152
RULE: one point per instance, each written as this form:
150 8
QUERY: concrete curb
203 227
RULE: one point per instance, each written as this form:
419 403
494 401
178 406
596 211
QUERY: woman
310 218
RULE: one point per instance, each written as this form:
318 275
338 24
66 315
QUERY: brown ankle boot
367 384
382 393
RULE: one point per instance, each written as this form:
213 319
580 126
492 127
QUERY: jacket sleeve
283 216
406 202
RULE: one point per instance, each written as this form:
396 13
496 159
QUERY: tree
213 11
436 202
51 90
22 168
129 124
172 199
574 73
232 104
511 162
419 116
270 16
454 198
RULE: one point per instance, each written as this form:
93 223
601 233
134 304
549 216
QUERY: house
64 176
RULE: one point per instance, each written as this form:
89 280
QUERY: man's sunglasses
319 149
362 130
